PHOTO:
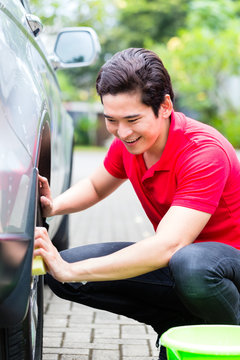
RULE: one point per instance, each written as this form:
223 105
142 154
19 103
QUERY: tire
24 340
61 239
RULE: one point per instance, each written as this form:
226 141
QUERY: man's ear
166 107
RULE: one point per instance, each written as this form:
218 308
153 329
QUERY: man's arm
80 196
179 227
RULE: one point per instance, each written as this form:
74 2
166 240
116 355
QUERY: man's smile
132 141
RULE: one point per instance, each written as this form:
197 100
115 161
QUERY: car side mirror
75 47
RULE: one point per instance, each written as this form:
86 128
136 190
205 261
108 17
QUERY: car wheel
24 340
61 239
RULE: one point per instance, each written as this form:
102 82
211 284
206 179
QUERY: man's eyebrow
124 117
107 116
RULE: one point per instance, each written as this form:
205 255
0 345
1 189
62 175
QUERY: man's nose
124 131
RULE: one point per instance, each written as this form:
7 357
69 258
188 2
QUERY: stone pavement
73 331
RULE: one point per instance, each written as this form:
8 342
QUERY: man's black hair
136 69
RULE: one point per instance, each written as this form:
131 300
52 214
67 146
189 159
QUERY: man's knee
204 275
192 270
187 260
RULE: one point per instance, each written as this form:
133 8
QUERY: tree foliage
119 24
198 41
203 60
57 14
143 23
76 84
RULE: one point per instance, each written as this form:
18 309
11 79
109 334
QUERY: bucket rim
168 342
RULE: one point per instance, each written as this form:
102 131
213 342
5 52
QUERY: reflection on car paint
15 175
11 256
17 85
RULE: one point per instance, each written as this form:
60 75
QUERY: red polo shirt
198 169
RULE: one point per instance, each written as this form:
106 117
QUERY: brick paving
77 332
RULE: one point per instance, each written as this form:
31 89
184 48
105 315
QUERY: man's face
133 122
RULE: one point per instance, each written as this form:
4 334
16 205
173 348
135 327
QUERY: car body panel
23 102
16 262
36 135
29 102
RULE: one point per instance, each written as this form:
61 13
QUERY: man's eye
110 120
132 120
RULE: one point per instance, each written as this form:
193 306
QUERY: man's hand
45 197
56 266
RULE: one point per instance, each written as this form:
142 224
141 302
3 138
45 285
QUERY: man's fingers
43 180
39 247
42 243
43 185
41 235
45 201
45 196
41 229
56 266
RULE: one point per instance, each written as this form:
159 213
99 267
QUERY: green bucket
206 342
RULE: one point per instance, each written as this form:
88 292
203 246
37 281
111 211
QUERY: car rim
34 312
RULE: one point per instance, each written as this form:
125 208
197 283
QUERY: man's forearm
78 197
125 263
86 192
179 227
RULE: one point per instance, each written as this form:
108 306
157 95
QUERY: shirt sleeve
201 178
113 161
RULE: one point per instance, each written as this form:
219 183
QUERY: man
187 177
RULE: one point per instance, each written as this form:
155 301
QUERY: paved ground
73 331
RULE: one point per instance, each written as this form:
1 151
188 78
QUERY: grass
90 148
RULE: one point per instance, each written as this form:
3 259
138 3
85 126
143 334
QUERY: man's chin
133 151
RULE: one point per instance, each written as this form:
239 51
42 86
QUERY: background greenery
198 41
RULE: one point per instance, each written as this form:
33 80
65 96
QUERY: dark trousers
201 285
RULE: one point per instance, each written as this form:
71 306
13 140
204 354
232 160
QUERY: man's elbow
172 248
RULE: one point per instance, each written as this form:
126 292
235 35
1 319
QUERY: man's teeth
132 141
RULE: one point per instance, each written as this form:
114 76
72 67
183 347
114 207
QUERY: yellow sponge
38 266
